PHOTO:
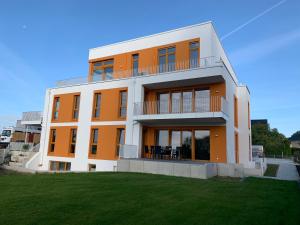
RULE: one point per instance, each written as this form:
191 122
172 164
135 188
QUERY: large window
94 141
187 101
186 144
121 139
202 100
60 166
194 54
97 105
163 99
76 103
56 108
123 103
202 144
163 138
103 70
52 140
166 59
176 102
135 65
73 136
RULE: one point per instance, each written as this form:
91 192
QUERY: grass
271 170
129 198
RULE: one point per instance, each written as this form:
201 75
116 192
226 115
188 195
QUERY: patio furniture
152 151
146 151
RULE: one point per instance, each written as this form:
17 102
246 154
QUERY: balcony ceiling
185 82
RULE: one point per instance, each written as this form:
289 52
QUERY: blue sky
45 41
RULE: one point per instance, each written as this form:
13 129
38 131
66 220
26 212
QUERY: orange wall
65 109
107 142
110 103
148 58
217 140
62 142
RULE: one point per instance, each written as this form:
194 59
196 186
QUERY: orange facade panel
63 108
106 142
109 105
59 141
148 59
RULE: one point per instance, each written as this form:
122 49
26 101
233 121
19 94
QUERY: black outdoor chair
158 152
152 151
146 151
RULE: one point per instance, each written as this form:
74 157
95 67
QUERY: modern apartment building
168 96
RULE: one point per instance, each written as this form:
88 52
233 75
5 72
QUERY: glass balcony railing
149 70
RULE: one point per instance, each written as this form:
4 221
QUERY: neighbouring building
167 96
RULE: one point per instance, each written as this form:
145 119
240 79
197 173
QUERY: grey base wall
188 169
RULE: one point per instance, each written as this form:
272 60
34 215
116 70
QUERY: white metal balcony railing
197 105
149 70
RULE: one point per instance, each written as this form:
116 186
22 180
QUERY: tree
273 141
295 136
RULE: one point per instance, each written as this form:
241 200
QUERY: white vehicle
6 135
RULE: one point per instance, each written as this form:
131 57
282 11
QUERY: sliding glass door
202 101
186 144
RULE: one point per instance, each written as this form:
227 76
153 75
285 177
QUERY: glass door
186 144
163 103
202 101
202 144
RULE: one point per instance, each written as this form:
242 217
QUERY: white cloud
258 50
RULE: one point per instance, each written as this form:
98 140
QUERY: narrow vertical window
52 140
73 136
121 139
97 105
94 141
56 108
123 103
236 117
135 65
166 59
76 103
194 54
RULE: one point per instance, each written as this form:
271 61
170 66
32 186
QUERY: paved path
287 169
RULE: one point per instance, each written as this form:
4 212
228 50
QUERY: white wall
243 96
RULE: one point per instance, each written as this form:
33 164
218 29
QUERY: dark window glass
73 140
194 54
202 144
97 105
123 103
121 139
56 107
94 141
76 106
186 144
135 64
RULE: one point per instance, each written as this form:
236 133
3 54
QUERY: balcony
162 69
210 109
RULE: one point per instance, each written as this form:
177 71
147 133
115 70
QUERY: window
202 144
60 166
187 101
123 103
194 54
97 105
166 59
202 100
73 136
92 167
76 103
52 140
163 99
56 108
94 141
236 123
135 65
176 102
103 70
163 138
121 139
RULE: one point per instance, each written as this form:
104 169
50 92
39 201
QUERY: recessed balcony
210 109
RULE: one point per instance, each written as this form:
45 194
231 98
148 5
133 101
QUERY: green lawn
128 198
271 170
